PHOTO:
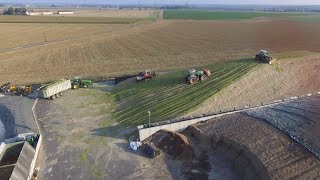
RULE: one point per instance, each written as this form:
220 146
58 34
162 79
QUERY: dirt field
18 34
283 158
291 77
160 45
115 13
77 145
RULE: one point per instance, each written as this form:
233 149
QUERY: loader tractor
265 57
81 83
16 90
145 75
194 76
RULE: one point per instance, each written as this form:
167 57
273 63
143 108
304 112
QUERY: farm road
16 116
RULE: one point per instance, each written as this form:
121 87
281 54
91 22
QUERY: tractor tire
202 78
192 80
75 86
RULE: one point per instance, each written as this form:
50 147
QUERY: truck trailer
54 90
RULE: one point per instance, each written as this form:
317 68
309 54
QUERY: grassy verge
71 20
168 96
222 15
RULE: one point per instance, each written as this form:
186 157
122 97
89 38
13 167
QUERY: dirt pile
174 144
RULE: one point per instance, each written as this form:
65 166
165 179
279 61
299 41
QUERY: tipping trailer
55 89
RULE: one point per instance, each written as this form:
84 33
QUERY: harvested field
290 77
62 19
114 13
19 34
283 158
160 45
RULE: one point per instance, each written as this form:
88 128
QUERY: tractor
81 83
194 76
16 90
265 57
145 75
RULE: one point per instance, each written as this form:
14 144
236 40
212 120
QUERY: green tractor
81 83
194 76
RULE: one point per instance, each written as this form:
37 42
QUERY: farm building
38 13
65 12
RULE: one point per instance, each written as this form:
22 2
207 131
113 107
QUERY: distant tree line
15 11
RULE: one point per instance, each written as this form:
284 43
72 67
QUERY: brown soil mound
174 144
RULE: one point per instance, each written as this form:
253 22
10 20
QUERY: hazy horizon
191 2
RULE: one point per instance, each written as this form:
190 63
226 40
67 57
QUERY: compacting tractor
145 75
81 83
194 76
265 57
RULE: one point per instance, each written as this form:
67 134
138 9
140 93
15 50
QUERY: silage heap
300 119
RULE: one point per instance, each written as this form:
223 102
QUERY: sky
119 2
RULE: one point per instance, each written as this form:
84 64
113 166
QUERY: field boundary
180 124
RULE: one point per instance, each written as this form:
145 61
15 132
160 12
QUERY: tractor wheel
203 77
85 86
192 80
75 86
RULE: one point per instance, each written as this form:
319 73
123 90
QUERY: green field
168 96
73 20
308 19
222 15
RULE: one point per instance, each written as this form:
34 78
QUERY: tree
9 11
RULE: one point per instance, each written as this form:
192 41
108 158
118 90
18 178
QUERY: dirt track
279 154
293 77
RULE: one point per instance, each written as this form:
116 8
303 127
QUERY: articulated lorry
54 90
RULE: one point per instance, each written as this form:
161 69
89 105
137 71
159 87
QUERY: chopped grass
223 15
168 96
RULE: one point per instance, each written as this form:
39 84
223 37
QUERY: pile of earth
174 144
